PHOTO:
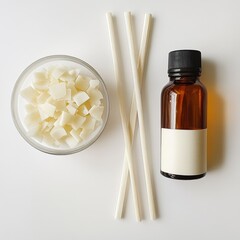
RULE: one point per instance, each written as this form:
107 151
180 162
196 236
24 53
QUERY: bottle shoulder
180 87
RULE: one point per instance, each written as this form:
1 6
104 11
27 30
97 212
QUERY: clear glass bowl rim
15 95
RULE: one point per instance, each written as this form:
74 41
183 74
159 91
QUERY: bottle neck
184 79
184 75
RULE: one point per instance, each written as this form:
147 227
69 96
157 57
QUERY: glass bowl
18 103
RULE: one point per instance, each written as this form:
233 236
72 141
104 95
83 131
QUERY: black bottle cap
184 62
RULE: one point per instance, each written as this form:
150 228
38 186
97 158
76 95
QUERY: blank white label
184 152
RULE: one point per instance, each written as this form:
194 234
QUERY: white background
44 197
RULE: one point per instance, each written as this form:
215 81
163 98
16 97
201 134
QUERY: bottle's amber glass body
184 103
184 106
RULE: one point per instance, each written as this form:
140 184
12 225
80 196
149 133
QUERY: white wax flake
29 94
32 119
66 77
89 123
76 134
50 125
48 139
97 103
80 98
71 109
60 105
82 83
65 118
43 97
34 130
95 95
54 81
71 85
58 72
46 110
57 122
83 110
74 72
57 90
93 83
96 112
40 81
77 121
85 133
58 132
71 141
44 125
68 96
57 114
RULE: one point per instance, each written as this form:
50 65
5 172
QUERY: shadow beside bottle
216 117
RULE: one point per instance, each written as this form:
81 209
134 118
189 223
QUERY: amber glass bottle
184 118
